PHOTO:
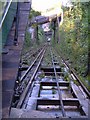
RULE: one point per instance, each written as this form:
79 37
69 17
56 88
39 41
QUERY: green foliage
74 37
27 42
41 36
34 13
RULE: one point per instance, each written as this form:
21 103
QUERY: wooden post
37 39
54 30
58 30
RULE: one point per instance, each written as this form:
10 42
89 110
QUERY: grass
84 82
42 75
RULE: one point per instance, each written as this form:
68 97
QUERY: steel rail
25 54
28 52
25 92
7 8
59 91
27 71
35 52
28 55
77 78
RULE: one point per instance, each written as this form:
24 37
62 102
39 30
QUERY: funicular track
46 91
59 91
31 52
65 104
26 58
51 93
27 78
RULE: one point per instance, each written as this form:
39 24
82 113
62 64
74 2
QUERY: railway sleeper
66 102
50 69
63 83
23 68
53 74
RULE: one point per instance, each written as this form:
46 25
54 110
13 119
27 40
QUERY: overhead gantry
55 19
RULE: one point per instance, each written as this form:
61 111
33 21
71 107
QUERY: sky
47 7
52 6
42 5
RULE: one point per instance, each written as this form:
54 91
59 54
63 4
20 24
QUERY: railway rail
47 91
59 91
42 88
31 52
76 77
32 69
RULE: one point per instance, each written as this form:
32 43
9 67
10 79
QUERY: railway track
23 83
75 76
48 93
31 52
27 58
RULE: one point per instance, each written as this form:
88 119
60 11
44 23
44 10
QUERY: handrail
7 8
